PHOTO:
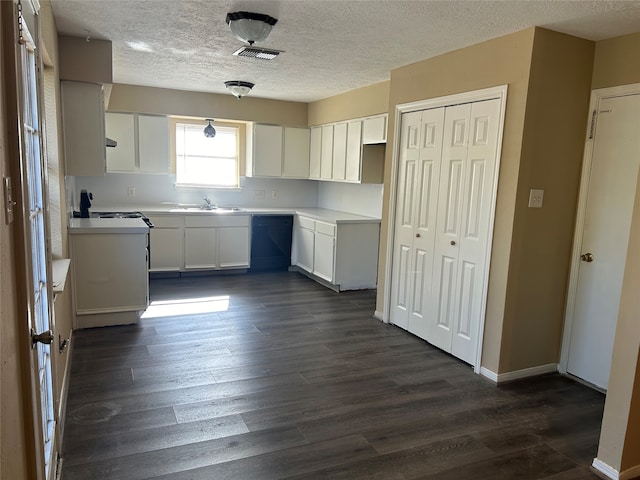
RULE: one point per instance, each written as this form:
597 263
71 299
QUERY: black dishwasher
271 242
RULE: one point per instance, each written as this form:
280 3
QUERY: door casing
499 92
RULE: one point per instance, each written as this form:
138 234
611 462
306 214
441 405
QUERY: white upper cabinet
143 143
339 151
83 128
295 159
121 128
153 143
354 151
276 151
315 147
326 152
374 129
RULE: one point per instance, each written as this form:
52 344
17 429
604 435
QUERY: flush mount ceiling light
209 131
250 27
239 88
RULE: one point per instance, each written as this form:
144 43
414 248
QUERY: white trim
518 374
378 315
605 469
499 92
64 391
572 289
630 473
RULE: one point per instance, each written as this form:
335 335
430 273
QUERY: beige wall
84 61
162 101
616 61
551 158
362 102
501 61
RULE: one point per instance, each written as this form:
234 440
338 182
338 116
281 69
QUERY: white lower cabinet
166 240
110 287
199 242
343 254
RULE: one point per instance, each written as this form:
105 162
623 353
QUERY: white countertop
107 225
329 216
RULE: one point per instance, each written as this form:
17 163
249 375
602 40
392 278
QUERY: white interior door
610 196
419 171
465 207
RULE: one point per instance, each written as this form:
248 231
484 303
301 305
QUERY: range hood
110 142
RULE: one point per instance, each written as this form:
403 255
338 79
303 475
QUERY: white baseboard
610 472
518 374
605 469
378 315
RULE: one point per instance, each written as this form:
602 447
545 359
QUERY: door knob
587 257
453 242
44 337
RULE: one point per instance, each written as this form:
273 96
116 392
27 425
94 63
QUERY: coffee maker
85 203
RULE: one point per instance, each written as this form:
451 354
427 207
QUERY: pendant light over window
250 27
239 88
209 131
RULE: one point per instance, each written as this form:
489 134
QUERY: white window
206 162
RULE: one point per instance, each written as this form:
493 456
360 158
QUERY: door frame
587 160
497 92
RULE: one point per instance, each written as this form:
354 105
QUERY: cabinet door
374 129
153 144
323 255
326 152
233 247
83 128
166 249
200 248
267 151
295 160
339 151
354 151
121 128
315 149
304 248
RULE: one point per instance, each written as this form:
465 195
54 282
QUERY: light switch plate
536 197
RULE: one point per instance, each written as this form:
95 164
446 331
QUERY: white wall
110 191
358 199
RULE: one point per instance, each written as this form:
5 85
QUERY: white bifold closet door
443 215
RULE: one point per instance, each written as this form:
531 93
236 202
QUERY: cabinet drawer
306 223
213 220
164 221
326 228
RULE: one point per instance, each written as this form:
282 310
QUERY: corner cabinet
340 152
83 128
277 152
343 255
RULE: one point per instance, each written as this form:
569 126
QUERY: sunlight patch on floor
189 306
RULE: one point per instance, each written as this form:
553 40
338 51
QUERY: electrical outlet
131 191
259 194
274 194
535 198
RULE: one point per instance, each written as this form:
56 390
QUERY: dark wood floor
293 381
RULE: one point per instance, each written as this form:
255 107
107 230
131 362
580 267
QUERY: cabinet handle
453 242
417 235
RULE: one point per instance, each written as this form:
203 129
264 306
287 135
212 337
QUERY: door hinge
592 128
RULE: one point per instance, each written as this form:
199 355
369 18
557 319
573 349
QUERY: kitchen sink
205 209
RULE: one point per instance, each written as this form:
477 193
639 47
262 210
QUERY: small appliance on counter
85 204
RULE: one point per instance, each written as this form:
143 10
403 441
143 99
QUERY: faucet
207 203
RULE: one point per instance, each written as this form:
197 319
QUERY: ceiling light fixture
209 131
239 88
250 27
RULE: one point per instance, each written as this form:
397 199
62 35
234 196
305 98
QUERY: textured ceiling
331 46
